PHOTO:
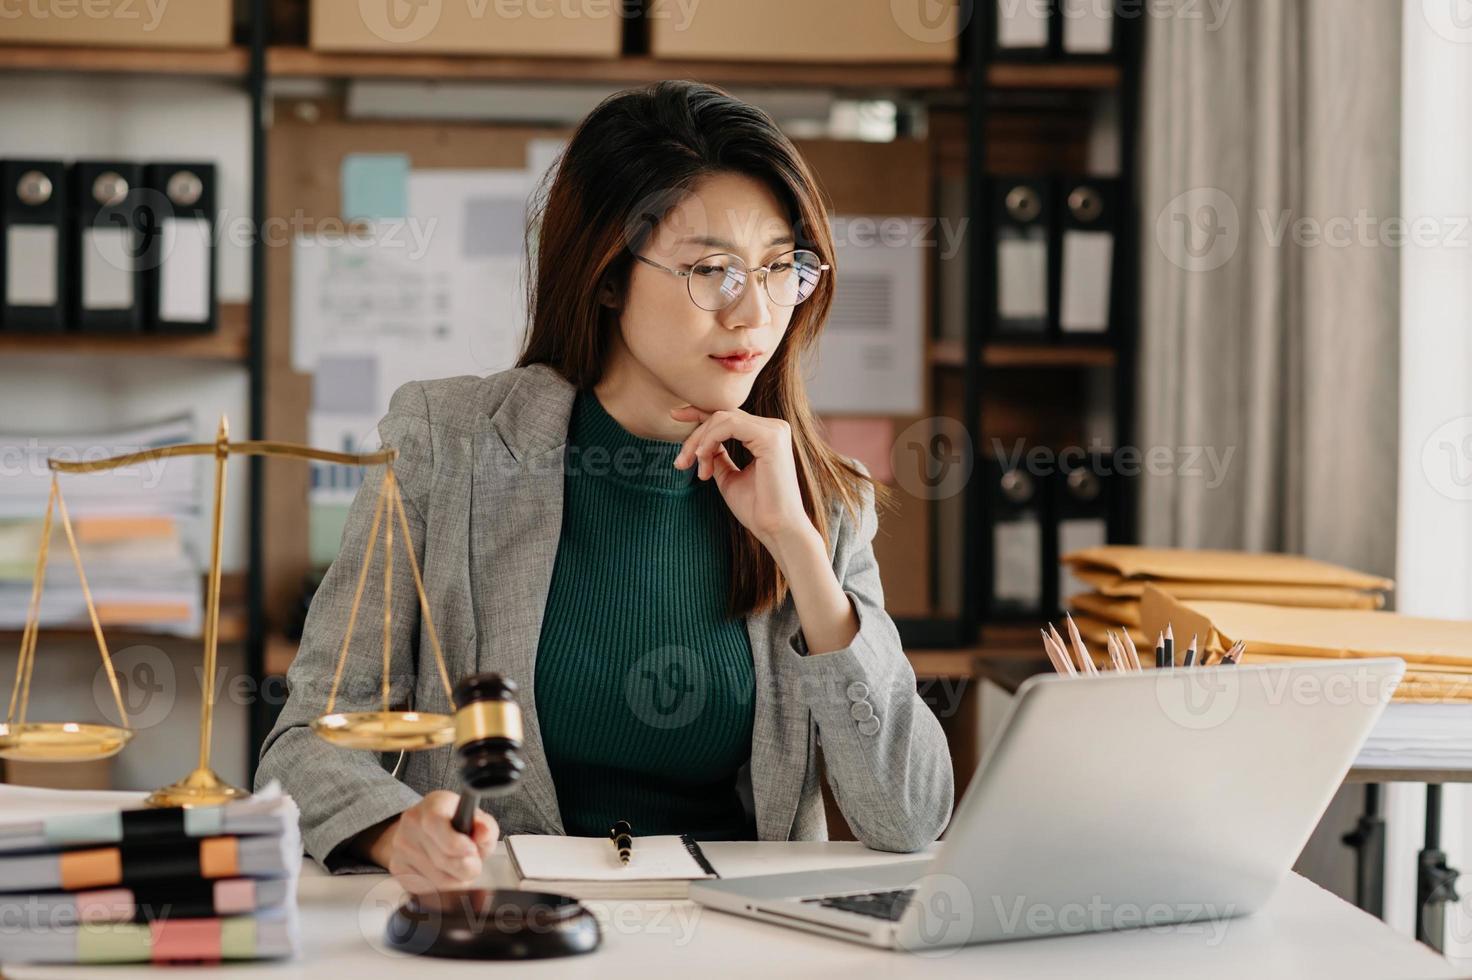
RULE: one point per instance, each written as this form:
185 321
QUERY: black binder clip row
1052 30
107 247
1034 518
1055 261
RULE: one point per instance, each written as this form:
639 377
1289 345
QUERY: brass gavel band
488 719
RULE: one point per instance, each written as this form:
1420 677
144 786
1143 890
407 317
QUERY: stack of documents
93 881
1437 652
1119 575
1420 736
129 525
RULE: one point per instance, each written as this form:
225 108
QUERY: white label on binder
1076 535
1022 277
108 268
1022 24
30 269
1088 258
1088 26
1017 561
184 277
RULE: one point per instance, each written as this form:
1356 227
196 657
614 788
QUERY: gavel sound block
490 924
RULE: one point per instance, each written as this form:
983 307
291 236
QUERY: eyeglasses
717 281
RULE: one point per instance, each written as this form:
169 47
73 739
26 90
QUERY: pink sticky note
870 441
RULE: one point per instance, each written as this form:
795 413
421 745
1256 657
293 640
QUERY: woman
642 527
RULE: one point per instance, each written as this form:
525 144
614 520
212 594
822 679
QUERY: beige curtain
1270 161
1270 297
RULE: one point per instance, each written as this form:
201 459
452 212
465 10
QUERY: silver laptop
1109 802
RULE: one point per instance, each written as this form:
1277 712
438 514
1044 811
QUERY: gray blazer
480 468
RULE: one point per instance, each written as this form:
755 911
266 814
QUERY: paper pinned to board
435 293
375 186
869 357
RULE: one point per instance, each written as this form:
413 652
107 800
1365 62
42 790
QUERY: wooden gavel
488 737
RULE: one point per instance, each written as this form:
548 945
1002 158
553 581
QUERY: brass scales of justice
384 730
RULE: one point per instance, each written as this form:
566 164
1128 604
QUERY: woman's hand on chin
764 495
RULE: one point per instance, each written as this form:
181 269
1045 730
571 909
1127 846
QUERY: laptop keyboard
888 905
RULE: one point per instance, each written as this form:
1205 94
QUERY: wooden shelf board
952 353
1046 355
231 342
227 62
1053 76
959 663
298 62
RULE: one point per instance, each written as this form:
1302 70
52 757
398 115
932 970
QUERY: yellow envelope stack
1437 652
1120 574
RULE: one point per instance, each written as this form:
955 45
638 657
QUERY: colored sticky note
870 441
375 186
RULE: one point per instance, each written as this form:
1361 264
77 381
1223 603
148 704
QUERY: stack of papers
1420 736
129 524
101 881
1437 652
1119 575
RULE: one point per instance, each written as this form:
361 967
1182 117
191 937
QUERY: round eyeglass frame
688 274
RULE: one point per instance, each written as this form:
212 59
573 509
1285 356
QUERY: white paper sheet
1088 263
869 356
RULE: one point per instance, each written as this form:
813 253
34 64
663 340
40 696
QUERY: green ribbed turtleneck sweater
644 687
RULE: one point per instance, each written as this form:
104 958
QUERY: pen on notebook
1191 653
1170 646
622 835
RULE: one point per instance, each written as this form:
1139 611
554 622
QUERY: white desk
1305 931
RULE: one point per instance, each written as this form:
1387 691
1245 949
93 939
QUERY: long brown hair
631 161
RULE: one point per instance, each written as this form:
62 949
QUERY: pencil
1056 651
1053 658
1191 653
1159 650
1170 646
1131 653
1116 653
1078 646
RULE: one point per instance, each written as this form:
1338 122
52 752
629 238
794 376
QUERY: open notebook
661 867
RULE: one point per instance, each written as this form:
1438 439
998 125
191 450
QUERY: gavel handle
464 819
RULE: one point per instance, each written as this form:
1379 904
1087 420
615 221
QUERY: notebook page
549 857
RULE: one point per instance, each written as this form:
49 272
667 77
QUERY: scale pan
61 741
386 731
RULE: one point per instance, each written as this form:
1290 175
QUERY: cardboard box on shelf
120 24
528 27
911 31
